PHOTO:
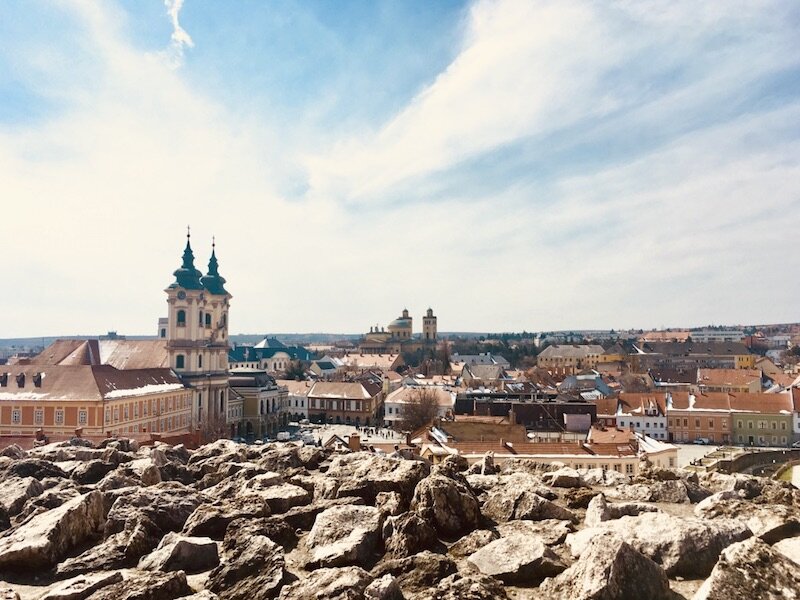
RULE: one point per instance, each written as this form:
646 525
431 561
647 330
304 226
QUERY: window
774 425
686 422
181 317
144 408
200 318
749 424
739 439
16 416
59 416
116 414
762 424
724 423
629 469
136 410
711 423
38 416
163 332
108 415
697 423
83 417
208 320
3 379
739 423
179 361
783 440
670 422
125 412
671 462
199 361
783 425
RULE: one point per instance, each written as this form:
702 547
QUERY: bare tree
420 409
214 428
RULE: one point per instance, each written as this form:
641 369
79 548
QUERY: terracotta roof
83 382
571 350
729 377
665 336
370 361
606 406
612 435
543 449
763 403
296 388
707 401
641 401
122 354
464 431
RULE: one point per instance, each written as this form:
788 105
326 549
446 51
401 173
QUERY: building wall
154 413
654 426
759 429
688 425
338 410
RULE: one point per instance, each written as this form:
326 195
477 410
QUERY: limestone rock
374 474
609 569
282 497
466 587
252 567
552 532
563 478
389 503
472 542
683 547
448 505
168 505
16 491
82 586
92 471
46 538
517 559
13 451
182 553
521 498
347 583
212 519
6 593
407 534
600 510
608 478
769 522
384 588
120 550
34 467
417 572
146 586
790 548
344 535
751 569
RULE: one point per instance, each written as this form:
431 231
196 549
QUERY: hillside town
398 464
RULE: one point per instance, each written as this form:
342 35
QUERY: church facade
399 336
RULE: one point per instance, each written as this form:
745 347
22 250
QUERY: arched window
199 361
181 318
208 319
200 318
180 361
223 320
163 332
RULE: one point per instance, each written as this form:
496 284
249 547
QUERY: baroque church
399 336
196 333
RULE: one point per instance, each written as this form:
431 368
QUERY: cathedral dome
187 276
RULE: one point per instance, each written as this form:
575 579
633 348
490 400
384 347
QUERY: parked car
701 441
796 444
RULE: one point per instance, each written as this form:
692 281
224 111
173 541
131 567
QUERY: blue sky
513 164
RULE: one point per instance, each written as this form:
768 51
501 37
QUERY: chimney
354 442
408 438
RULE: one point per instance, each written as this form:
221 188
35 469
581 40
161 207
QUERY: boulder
82 586
372 474
448 505
303 517
407 534
683 547
604 478
212 519
472 542
34 467
204 595
92 471
120 550
347 583
466 587
16 491
769 522
44 539
389 503
790 548
518 559
417 572
550 531
751 569
252 567
384 588
146 586
521 498
579 497
168 505
600 510
182 553
609 569
282 497
13 451
344 535
563 478
6 593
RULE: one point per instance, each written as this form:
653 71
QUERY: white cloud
180 40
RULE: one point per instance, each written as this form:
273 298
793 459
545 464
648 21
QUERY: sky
511 164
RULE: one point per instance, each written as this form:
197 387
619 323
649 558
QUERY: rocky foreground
281 521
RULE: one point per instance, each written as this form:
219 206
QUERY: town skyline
513 165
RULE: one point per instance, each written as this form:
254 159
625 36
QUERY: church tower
429 326
197 337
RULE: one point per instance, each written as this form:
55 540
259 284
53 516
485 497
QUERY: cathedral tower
429 326
197 336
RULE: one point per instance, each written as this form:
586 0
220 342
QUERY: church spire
214 282
187 276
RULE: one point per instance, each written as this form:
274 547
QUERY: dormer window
3 379
20 379
37 379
